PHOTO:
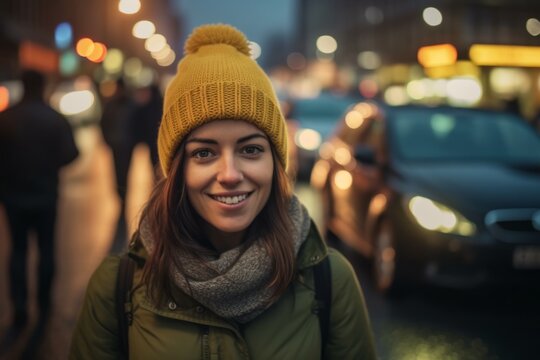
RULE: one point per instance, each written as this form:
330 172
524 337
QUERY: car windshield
433 135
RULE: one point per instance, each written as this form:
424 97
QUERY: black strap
124 281
323 295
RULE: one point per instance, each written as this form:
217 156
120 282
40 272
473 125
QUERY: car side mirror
365 155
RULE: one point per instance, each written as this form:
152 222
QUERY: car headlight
434 216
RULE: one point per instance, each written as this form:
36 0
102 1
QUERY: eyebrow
239 141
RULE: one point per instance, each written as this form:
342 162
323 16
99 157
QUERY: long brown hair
175 227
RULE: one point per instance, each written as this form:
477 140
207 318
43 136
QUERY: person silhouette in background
146 120
117 130
35 143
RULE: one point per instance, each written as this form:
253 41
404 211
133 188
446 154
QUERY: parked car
434 195
312 121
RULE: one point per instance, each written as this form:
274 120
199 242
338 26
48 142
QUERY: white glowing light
155 43
143 29
129 6
326 44
533 26
255 50
432 16
76 102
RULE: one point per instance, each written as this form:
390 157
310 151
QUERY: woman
226 252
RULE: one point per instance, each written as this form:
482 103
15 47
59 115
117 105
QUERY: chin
231 228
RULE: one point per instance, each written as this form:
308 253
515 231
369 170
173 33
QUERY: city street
429 324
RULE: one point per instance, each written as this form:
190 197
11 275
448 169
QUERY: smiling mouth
231 200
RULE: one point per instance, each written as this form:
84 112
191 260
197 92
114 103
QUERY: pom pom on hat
217 80
216 34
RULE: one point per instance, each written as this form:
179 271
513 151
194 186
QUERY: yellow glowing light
155 43
4 98
342 156
378 204
76 102
505 55
98 53
143 29
396 95
308 139
84 47
365 109
113 61
354 119
129 6
343 179
437 55
326 150
319 174
132 67
326 44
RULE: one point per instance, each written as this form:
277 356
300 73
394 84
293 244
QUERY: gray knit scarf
239 290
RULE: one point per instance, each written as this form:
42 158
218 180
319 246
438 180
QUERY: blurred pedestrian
117 129
35 143
146 119
225 253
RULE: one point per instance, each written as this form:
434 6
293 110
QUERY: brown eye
252 150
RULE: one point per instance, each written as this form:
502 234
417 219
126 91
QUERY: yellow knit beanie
217 80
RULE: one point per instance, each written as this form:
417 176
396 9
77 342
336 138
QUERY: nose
229 172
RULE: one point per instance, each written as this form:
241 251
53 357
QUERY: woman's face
228 173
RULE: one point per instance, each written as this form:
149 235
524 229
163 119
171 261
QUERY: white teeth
230 199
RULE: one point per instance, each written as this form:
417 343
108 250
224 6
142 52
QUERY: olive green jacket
184 329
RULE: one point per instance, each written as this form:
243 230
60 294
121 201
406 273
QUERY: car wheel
384 260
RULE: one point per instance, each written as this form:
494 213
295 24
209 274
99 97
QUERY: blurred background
324 58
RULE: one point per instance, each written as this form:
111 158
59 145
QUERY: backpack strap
323 295
124 281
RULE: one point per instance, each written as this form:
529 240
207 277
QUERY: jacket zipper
206 342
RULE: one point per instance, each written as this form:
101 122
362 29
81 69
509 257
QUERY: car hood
477 187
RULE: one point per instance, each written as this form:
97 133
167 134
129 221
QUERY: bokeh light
132 67
354 119
167 60
155 43
98 53
533 26
69 63
326 44
343 179
369 60
63 35
4 98
163 53
143 29
432 16
255 50
296 61
76 102
129 6
113 61
84 47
